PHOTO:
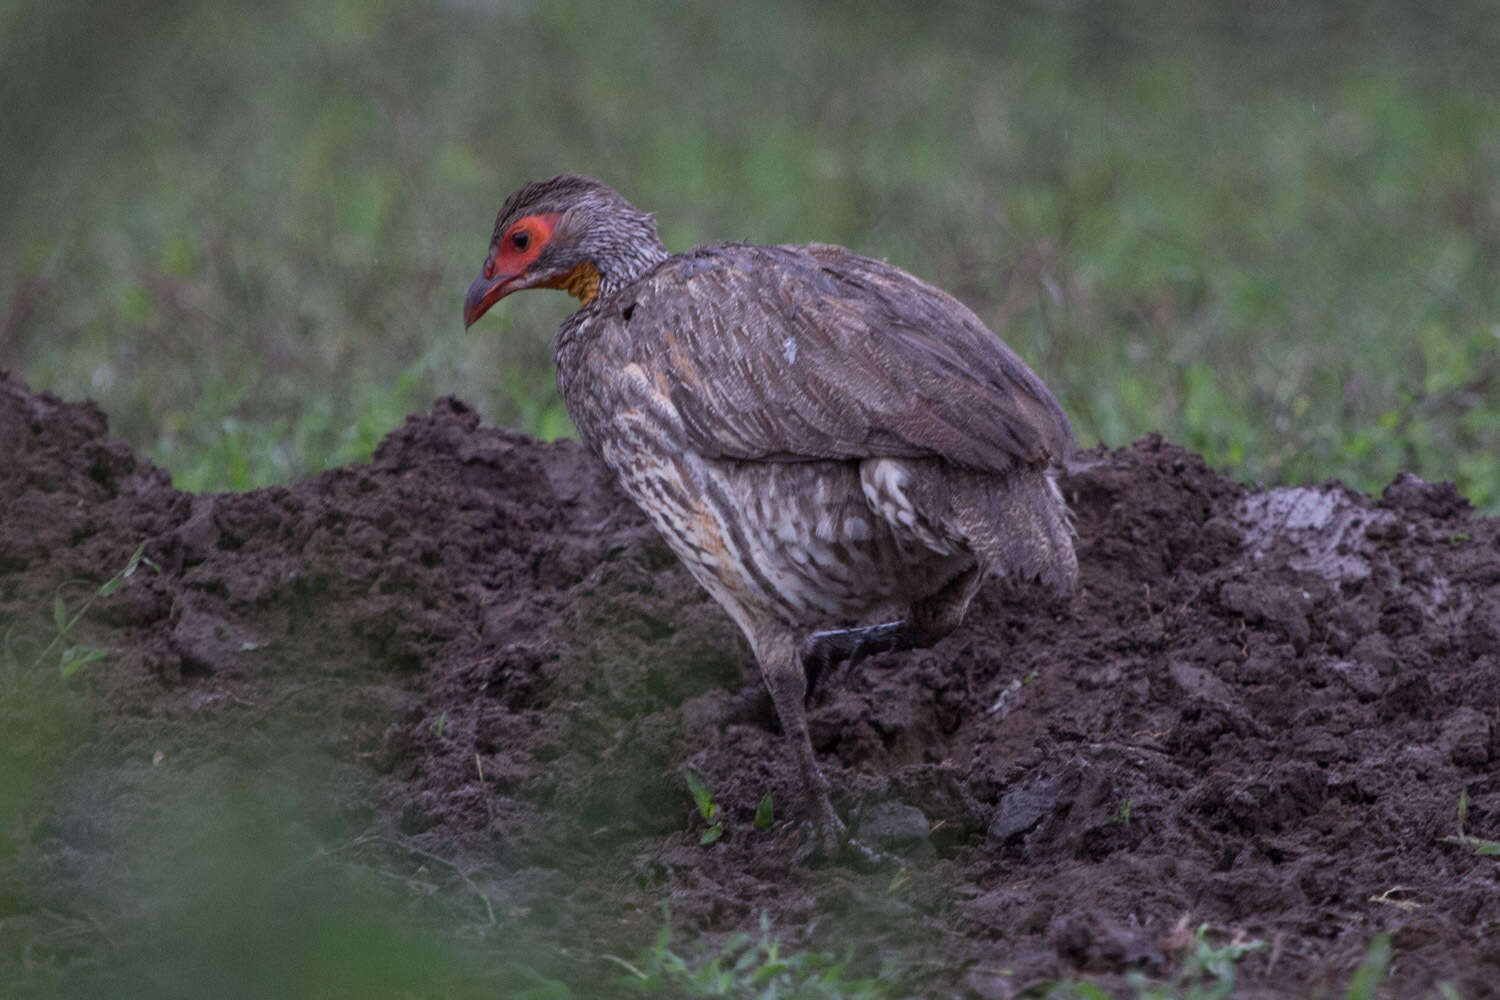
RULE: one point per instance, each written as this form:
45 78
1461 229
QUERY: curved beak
485 292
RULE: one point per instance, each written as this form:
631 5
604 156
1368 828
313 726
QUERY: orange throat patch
582 283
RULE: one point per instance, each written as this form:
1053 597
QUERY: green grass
1275 237
746 967
1207 971
1479 845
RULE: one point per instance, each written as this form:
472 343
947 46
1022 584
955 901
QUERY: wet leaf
764 813
76 657
1367 977
702 797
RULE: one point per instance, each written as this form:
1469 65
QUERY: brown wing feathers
786 353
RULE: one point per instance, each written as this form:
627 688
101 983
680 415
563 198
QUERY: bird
839 452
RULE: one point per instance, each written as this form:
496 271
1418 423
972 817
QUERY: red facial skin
505 268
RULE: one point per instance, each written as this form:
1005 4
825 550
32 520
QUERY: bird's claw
835 845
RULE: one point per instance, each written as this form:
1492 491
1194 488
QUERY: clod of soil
1261 712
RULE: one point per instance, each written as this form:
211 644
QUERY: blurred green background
1270 231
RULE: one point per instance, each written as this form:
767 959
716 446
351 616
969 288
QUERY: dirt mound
1260 713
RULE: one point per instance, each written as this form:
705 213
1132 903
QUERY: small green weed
765 810
707 808
1367 977
744 967
1462 839
74 657
1207 972
765 813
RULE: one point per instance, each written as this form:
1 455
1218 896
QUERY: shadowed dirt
1259 713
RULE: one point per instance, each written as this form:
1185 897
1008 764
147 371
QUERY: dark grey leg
823 650
776 652
927 622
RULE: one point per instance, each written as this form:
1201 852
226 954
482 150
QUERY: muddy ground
470 666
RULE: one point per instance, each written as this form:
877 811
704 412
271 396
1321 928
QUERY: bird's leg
777 655
821 651
929 620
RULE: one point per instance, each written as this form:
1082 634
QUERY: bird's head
568 232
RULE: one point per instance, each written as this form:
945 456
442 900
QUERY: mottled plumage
825 440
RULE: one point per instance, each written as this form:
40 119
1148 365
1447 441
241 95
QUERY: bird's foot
831 843
837 846
822 651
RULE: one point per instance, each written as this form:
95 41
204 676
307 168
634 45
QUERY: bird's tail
1021 526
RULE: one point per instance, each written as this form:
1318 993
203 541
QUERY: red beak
485 292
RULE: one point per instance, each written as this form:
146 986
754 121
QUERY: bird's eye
520 240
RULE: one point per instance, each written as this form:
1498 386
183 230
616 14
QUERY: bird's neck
620 247
624 263
622 254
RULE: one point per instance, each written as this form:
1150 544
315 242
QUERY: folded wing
807 353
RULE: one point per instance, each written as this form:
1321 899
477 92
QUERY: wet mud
1260 713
